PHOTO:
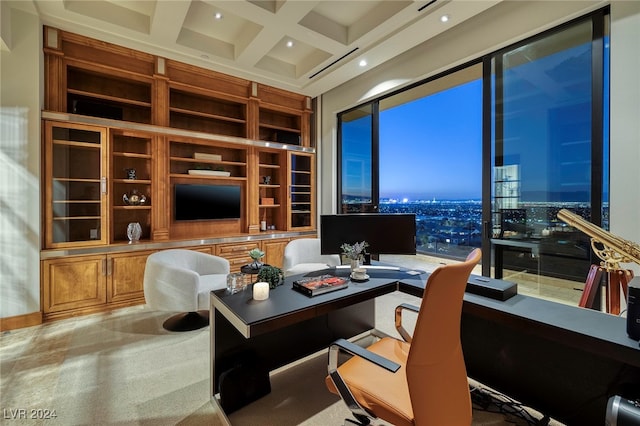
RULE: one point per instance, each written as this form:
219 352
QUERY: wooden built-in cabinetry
121 128
79 284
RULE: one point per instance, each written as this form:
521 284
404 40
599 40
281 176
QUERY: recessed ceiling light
362 63
218 15
289 43
444 18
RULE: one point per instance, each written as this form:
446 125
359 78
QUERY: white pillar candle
261 291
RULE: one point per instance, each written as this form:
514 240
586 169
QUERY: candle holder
261 291
236 281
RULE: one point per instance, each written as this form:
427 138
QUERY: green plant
256 253
272 275
354 251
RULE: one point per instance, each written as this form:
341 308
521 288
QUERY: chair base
187 321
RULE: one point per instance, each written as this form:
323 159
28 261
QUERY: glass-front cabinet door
75 193
301 184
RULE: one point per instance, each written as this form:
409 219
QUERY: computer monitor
393 233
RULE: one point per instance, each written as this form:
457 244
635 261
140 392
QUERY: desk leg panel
268 351
559 380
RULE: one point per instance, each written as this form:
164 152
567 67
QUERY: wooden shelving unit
271 164
195 111
131 169
119 122
182 158
105 95
301 213
279 126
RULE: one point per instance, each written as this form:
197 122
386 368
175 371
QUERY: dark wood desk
249 338
561 360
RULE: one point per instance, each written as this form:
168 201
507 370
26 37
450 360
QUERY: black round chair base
187 321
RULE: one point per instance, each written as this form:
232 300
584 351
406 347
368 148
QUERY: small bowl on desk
359 274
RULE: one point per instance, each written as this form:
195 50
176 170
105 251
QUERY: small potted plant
354 252
256 254
272 275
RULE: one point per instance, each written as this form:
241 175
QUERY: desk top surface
554 320
284 303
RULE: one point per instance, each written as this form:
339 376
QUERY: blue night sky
432 147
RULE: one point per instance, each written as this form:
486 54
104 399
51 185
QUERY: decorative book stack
313 286
205 156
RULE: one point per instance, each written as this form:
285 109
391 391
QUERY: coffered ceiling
306 46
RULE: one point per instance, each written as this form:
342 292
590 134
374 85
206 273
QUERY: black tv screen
206 202
393 233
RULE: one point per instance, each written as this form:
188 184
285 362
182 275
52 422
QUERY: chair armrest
341 344
403 332
353 349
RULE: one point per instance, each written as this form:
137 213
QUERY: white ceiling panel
249 40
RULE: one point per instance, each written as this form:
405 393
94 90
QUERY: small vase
134 232
355 263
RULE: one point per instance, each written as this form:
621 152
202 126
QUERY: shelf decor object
134 198
134 232
205 156
205 172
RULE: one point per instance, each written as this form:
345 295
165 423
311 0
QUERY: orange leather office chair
421 380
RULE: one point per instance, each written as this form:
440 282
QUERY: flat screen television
206 202
393 233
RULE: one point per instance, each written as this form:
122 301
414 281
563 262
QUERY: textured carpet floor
123 368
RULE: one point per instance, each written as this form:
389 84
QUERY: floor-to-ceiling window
548 150
539 108
430 149
358 177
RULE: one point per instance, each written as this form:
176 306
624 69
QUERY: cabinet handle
103 185
109 267
104 266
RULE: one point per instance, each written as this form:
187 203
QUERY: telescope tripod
617 280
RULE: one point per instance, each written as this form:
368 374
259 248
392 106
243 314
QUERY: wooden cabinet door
75 185
301 183
236 253
73 283
126 275
274 252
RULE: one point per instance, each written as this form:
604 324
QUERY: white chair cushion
306 251
208 283
180 280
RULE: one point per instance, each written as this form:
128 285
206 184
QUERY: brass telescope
611 249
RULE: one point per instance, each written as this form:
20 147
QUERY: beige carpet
122 368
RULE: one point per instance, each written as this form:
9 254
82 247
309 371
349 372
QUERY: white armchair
303 255
180 280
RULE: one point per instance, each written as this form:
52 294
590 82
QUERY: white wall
498 27
20 104
625 122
